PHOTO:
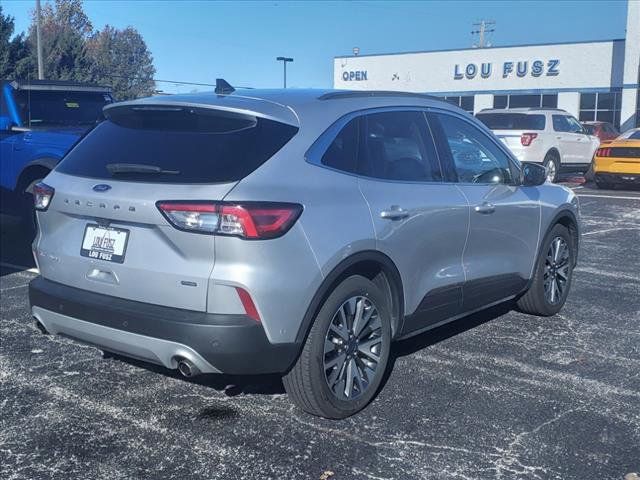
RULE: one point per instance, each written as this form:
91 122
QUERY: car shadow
15 246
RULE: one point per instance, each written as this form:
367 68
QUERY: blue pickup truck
40 121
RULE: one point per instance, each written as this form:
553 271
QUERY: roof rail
373 93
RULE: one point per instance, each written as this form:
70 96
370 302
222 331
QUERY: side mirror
533 174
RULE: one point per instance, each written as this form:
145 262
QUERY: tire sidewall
553 157
556 231
352 286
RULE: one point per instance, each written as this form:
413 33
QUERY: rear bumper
232 344
604 177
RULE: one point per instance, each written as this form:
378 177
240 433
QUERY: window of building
525 101
638 108
601 106
465 102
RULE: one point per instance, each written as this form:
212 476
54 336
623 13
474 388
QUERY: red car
603 130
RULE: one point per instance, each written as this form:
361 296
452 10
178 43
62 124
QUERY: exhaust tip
40 326
187 369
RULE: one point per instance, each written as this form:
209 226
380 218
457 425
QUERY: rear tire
553 274
552 164
345 351
604 185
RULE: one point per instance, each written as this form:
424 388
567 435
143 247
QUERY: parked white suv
545 135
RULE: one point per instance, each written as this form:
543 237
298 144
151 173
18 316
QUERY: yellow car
618 161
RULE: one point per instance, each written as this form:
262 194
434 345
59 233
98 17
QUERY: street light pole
284 61
39 42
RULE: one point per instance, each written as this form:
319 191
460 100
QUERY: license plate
104 243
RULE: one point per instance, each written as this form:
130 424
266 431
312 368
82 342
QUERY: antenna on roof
223 87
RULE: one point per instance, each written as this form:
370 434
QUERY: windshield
54 108
590 129
512 121
631 134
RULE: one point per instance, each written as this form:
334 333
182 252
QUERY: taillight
527 138
603 152
249 220
42 195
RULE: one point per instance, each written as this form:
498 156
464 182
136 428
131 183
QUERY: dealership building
595 80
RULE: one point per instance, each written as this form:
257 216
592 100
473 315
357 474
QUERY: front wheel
552 277
346 353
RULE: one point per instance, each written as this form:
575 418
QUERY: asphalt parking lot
496 395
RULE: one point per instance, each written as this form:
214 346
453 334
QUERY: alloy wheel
556 270
551 170
352 348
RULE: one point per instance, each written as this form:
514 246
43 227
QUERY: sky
199 41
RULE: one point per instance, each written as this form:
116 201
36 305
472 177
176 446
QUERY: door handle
394 213
485 208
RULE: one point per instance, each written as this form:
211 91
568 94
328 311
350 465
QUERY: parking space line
610 230
19 267
607 196
13 288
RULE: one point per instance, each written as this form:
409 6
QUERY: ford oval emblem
101 187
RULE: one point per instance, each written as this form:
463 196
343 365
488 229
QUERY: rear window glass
176 145
512 121
54 108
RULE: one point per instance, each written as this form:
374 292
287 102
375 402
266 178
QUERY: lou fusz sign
525 68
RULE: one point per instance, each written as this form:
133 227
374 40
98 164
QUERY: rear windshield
512 121
55 108
176 145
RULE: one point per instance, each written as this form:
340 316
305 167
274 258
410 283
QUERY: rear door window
560 123
512 121
176 145
398 146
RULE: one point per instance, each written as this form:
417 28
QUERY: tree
64 29
72 50
14 53
120 58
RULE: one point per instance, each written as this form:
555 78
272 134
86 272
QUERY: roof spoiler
223 87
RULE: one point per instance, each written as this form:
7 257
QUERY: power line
180 82
482 31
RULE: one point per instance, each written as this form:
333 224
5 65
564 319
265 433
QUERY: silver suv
544 135
298 232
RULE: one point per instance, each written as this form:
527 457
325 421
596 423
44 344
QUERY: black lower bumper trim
233 344
618 178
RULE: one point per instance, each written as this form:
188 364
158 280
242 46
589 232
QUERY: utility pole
482 31
39 42
284 61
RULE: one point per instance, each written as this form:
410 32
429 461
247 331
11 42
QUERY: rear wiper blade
115 168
